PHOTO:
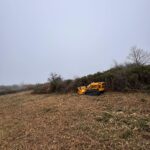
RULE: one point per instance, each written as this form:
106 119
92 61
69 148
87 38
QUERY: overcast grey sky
69 37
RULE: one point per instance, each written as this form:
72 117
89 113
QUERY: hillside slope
110 121
129 77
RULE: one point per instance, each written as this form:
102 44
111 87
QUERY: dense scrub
119 78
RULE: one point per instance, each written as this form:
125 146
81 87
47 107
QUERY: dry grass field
42 122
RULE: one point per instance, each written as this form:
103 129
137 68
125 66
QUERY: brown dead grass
110 121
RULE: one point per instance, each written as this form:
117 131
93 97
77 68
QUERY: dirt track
109 121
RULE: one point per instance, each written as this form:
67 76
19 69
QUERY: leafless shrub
139 56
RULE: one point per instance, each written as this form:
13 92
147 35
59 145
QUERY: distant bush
55 83
41 88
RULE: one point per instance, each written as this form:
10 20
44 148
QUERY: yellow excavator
95 88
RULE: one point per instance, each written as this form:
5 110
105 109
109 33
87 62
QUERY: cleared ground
109 121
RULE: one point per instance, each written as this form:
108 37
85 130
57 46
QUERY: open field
109 121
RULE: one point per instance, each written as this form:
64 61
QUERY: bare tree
138 56
54 78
